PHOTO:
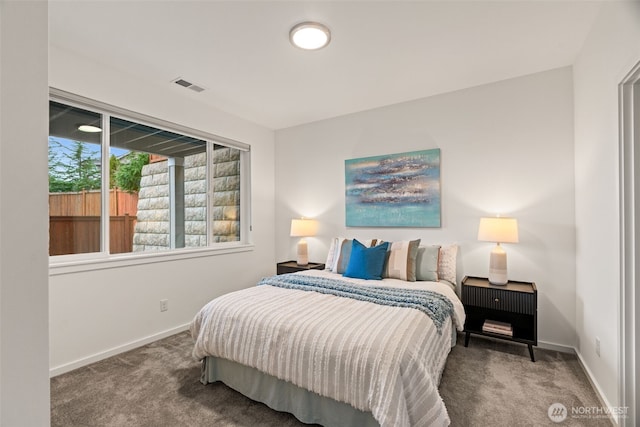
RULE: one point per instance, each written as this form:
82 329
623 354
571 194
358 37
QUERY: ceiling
381 52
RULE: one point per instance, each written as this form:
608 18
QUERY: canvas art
395 190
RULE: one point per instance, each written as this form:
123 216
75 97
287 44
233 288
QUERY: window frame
62 264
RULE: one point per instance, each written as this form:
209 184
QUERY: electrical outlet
164 304
598 346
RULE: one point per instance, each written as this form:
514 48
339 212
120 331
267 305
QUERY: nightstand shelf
292 266
515 303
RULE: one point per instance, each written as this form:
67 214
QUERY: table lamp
498 230
303 228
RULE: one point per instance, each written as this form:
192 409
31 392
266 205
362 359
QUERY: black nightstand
515 303
292 267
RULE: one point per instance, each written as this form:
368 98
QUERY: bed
334 350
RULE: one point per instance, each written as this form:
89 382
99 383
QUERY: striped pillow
401 260
343 253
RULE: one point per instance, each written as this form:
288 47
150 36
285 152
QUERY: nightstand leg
533 359
466 339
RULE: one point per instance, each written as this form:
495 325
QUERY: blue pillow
366 263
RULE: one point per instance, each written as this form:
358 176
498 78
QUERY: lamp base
303 255
498 278
498 266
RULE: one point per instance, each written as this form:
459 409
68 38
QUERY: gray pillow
427 263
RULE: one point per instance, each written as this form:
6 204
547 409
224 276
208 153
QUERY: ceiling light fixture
310 36
89 128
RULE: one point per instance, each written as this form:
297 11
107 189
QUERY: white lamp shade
304 227
498 230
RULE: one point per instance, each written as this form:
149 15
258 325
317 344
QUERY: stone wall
226 196
153 227
195 200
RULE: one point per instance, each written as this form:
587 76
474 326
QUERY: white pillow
331 256
447 263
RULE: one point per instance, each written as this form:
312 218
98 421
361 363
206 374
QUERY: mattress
386 360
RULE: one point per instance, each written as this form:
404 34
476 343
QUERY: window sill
102 261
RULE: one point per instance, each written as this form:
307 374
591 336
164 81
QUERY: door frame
629 325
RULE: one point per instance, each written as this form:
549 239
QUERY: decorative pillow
447 263
336 253
401 261
366 263
427 263
342 256
338 257
331 256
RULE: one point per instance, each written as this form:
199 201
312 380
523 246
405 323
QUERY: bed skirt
305 405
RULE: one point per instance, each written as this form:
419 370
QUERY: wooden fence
87 203
81 234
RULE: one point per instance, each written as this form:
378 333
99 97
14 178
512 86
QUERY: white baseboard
594 384
58 370
603 400
556 347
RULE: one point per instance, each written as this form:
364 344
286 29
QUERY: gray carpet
490 383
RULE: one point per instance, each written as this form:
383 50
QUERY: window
125 183
75 181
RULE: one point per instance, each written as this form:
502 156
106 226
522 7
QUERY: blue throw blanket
436 306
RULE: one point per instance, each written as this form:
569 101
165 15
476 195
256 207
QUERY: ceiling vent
188 85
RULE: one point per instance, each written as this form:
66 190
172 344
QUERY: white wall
95 313
505 148
609 53
24 345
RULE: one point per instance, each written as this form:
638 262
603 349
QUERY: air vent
182 82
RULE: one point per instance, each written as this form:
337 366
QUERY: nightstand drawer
498 299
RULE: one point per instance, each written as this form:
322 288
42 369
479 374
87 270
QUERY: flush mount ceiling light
89 128
310 35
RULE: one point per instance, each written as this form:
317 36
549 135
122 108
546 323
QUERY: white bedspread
381 359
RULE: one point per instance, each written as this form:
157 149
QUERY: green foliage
72 168
129 172
114 163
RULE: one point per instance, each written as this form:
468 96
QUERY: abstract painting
394 190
